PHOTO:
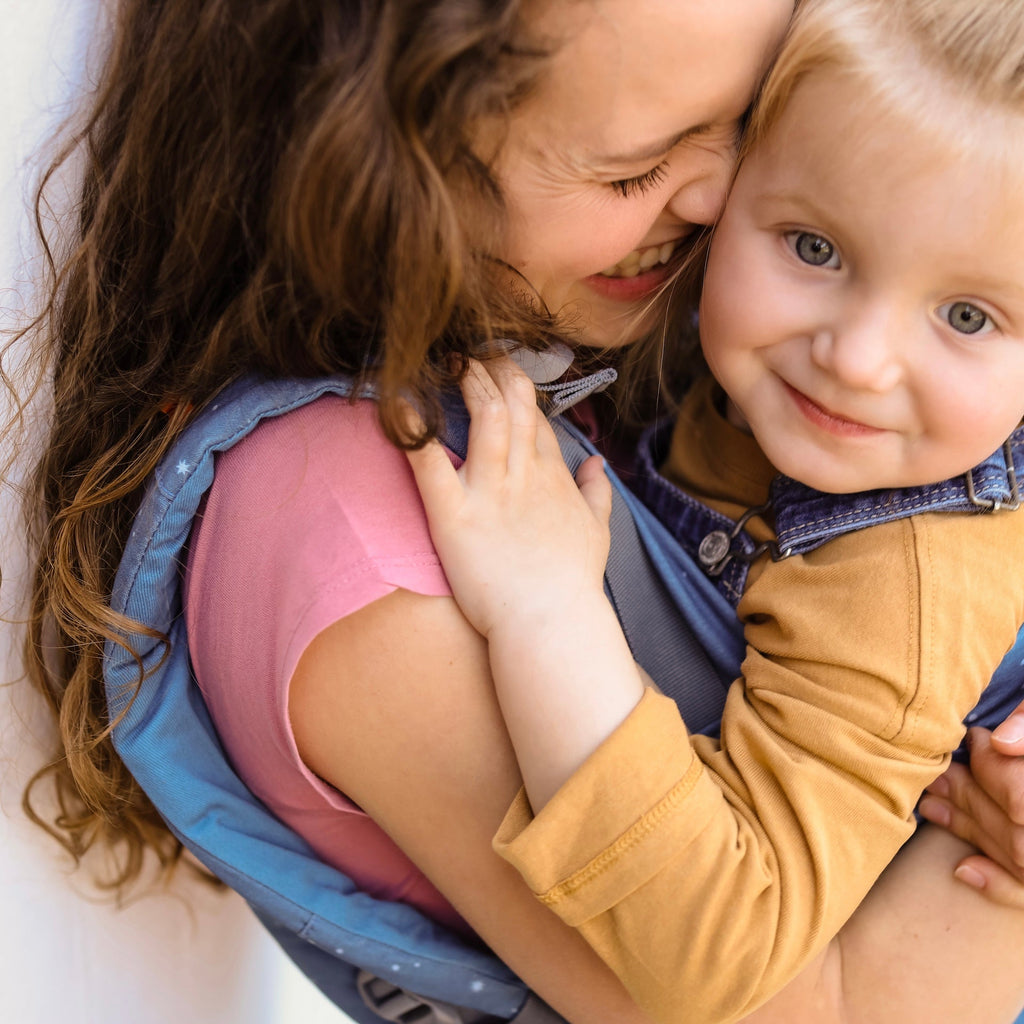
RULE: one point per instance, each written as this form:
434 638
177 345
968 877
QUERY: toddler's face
864 298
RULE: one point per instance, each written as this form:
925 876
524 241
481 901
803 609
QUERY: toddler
863 322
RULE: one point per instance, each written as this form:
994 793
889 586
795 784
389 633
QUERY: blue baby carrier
374 959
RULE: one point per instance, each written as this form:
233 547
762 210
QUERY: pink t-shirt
310 518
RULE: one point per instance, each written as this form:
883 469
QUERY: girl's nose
701 195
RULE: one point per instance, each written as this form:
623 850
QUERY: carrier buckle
396 1004
1011 478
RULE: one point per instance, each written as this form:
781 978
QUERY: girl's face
626 148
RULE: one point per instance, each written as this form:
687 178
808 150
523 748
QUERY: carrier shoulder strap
165 737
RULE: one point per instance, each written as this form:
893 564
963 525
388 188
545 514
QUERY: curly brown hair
276 187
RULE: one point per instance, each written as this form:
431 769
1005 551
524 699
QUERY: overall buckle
990 505
716 550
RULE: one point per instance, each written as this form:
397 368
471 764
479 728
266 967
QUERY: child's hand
517 536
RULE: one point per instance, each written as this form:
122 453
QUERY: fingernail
940 787
1010 731
934 810
967 875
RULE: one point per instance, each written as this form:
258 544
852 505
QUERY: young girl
311 187
863 317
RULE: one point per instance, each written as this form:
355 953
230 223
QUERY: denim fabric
805 519
688 520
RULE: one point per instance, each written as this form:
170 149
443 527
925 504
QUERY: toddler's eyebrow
651 150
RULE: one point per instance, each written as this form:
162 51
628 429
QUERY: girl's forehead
625 75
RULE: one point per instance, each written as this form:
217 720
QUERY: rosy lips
639 274
827 420
630 289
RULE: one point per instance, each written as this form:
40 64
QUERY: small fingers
437 481
436 478
488 440
502 406
524 417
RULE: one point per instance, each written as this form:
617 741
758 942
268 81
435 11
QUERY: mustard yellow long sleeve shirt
708 874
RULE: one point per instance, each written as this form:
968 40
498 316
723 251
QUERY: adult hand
984 805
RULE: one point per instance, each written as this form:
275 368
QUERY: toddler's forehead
840 117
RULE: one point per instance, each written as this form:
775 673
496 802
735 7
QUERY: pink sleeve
310 518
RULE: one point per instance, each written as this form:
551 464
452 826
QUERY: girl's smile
625 146
638 275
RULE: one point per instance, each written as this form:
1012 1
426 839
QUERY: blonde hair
915 58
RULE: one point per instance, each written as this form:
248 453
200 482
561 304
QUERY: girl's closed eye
813 249
628 187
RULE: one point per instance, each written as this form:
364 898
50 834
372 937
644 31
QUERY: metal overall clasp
717 548
1011 478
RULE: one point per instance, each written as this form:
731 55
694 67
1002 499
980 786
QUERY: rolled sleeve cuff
632 805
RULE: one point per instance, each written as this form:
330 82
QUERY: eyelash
628 187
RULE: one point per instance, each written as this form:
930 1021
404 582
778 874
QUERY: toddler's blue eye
814 249
964 318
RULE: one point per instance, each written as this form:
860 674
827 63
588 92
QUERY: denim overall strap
688 520
805 518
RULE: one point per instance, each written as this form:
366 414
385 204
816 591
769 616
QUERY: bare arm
922 949
394 706
759 825
525 555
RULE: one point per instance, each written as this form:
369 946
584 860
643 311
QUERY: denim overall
804 519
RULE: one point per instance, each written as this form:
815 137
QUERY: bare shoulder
394 706
402 684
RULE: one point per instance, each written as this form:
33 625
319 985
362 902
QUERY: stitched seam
632 837
917 505
925 655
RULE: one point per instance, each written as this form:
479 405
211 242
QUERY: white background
189 956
